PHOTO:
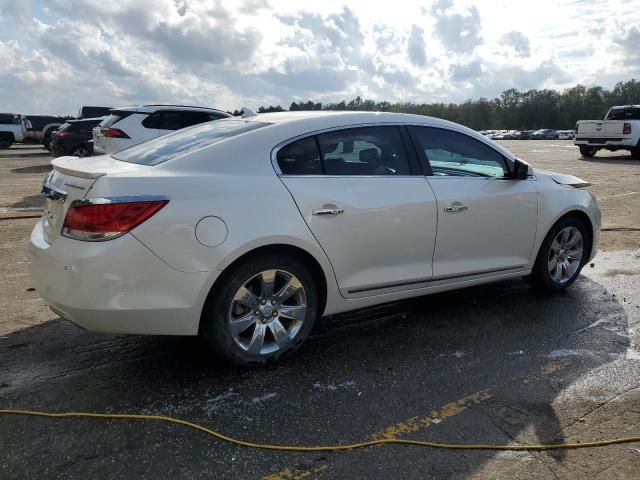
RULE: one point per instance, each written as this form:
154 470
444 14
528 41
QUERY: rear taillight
60 135
626 129
113 133
106 218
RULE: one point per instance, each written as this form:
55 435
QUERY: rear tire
46 141
251 324
5 144
80 151
562 256
635 153
586 151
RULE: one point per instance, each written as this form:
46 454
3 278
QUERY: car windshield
184 141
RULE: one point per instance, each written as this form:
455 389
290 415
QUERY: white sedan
247 230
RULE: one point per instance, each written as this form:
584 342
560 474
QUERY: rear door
370 210
486 221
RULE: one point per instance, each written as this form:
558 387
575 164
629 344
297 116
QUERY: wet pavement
493 364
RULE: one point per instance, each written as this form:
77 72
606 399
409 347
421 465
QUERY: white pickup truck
619 130
13 128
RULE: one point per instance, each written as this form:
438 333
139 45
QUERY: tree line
513 109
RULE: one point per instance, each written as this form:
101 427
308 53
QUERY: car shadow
359 373
33 169
30 201
614 160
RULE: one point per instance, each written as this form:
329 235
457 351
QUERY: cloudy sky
56 55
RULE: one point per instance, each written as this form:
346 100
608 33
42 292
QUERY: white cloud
232 53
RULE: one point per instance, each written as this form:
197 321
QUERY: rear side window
82 126
364 151
194 118
371 151
456 154
115 117
153 120
300 158
8 119
184 141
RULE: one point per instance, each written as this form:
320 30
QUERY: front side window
456 154
364 151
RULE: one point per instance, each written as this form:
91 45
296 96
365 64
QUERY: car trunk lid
72 179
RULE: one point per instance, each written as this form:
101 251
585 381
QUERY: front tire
586 151
262 311
562 255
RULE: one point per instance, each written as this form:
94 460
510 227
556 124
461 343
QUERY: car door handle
328 211
455 208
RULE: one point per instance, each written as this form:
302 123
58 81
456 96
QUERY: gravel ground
491 364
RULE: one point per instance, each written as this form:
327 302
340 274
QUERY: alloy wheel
267 312
565 254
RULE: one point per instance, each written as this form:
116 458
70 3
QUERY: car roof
292 124
151 108
78 120
336 119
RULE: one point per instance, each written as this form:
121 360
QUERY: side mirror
521 169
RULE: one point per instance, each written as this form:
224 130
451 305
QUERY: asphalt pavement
493 364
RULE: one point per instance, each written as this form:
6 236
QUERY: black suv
75 138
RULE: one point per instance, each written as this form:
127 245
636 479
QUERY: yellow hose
324 448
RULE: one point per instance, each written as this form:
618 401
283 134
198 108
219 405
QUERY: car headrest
368 155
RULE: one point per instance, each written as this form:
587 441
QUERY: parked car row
125 127
542 134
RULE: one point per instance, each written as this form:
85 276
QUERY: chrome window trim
284 143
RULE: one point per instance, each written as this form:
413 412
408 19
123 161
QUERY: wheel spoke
288 290
295 312
268 279
566 270
555 246
552 264
239 325
575 254
574 236
257 339
279 333
557 274
564 235
245 297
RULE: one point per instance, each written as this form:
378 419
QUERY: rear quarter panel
233 182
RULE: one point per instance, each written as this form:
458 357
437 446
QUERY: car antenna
247 112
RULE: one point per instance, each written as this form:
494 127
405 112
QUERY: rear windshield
627 113
184 141
116 116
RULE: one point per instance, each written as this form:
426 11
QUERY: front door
375 220
486 221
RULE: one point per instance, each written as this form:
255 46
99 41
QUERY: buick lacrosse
247 230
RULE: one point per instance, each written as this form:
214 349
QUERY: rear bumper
604 142
97 150
117 286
